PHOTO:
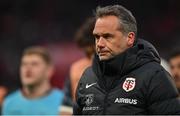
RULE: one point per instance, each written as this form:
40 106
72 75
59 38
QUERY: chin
28 83
103 58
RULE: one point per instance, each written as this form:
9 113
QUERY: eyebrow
102 34
107 34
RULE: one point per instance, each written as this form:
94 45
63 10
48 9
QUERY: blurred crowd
33 31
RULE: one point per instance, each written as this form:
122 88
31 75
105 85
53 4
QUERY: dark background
52 23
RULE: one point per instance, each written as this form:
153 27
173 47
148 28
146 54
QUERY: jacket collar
141 53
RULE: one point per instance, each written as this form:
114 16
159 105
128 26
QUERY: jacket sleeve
67 101
162 95
6 107
77 105
76 109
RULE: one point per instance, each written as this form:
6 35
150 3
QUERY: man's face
175 70
33 70
110 41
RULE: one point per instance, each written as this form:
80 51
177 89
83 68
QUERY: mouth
102 53
28 75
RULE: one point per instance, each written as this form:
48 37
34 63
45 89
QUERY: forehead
32 57
106 24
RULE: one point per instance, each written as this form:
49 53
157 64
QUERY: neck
36 91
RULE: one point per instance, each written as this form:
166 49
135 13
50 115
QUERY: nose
100 42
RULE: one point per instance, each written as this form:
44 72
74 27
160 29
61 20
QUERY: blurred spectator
174 61
36 97
3 92
85 41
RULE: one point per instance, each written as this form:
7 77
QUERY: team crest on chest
89 99
129 84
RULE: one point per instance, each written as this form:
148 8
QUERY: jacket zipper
105 103
106 96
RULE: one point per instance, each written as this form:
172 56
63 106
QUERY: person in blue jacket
36 97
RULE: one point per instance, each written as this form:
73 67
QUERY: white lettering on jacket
126 101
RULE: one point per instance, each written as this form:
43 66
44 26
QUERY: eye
35 63
96 36
107 36
23 64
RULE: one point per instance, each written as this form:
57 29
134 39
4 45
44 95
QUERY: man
126 76
36 96
174 61
85 41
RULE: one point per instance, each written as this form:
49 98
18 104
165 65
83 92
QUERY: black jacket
133 82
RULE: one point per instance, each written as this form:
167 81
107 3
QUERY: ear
51 71
131 38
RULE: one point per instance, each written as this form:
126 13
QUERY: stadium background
52 23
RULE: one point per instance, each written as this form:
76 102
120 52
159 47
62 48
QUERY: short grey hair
127 20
